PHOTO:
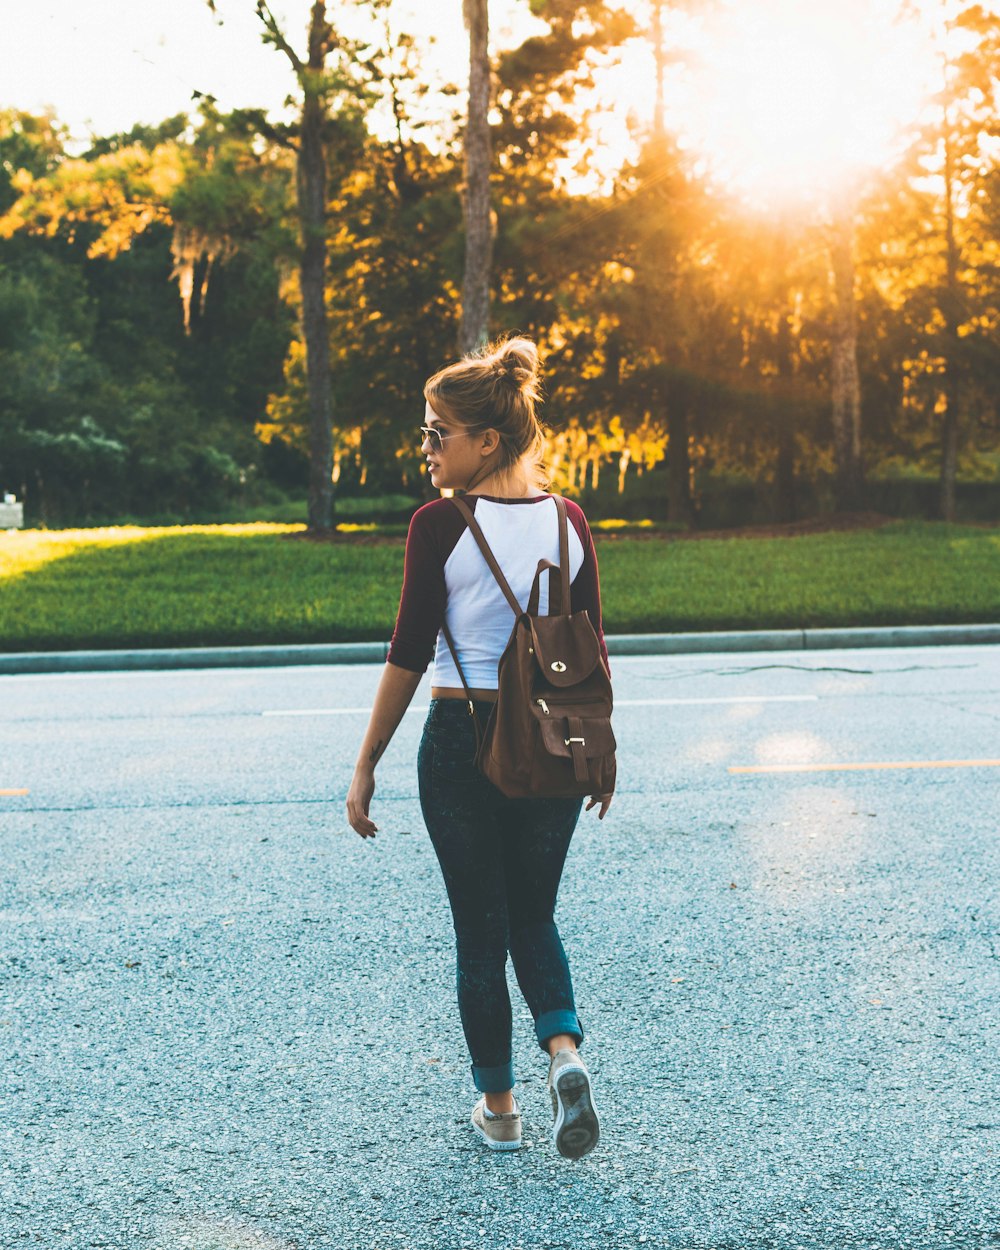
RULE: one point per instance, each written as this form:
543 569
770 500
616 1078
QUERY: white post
11 513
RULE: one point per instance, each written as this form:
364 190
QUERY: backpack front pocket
598 736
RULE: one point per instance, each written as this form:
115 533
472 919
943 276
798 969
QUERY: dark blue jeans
501 860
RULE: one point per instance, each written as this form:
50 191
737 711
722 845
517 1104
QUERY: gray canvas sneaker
502 1133
576 1128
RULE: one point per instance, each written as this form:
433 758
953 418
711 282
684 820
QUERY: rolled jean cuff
549 1023
495 1080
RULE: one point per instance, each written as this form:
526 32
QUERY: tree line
222 307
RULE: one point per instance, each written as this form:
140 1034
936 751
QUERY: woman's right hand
359 798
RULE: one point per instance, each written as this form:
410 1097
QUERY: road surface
227 1022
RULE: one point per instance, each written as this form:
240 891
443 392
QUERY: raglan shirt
446 578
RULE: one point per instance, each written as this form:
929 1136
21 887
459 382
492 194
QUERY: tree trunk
623 463
478 235
846 385
43 507
660 61
785 502
679 508
311 187
951 304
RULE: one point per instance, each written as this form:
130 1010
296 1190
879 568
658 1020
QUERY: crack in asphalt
969 711
838 668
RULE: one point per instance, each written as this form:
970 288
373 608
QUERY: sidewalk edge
618 645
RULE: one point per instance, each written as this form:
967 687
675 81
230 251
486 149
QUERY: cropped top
446 578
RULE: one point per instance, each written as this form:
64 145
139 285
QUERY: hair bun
517 359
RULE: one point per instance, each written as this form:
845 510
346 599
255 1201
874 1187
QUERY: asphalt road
228 1023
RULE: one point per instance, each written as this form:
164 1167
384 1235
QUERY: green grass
215 585
904 573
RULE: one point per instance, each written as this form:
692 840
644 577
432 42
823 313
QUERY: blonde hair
497 388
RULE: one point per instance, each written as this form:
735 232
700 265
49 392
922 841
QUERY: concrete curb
618 644
804 639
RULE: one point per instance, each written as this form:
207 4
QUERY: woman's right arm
421 610
396 689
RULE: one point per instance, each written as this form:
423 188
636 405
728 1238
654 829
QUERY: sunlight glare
793 101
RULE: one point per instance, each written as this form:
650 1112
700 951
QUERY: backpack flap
566 647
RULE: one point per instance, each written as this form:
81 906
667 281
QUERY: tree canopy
152 356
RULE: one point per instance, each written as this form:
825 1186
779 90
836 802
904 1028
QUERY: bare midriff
449 692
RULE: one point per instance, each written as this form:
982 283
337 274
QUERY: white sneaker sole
491 1141
576 1130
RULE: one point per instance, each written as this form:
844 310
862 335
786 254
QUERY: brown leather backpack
549 732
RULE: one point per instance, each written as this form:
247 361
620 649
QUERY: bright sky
779 95
800 97
140 60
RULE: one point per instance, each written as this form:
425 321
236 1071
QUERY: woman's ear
491 441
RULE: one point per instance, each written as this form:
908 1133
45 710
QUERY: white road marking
743 698
842 768
736 698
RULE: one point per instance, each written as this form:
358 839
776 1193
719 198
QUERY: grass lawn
263 583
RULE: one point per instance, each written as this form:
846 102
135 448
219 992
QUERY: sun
784 103
794 100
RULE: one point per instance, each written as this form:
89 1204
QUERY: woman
501 858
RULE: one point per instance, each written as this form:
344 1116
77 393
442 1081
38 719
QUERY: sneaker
576 1129
500 1133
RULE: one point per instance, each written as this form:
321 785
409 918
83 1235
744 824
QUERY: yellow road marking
834 768
15 791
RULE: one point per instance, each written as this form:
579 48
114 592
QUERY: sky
781 95
108 64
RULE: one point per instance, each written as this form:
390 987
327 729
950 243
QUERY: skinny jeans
501 860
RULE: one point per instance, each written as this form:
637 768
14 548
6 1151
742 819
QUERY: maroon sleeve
585 589
423 598
434 530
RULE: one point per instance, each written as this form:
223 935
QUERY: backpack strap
465 685
536 589
559 592
497 572
576 742
488 555
563 592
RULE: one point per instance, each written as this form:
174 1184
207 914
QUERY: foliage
106 404
151 353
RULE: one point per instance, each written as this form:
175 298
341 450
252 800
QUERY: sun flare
783 102
792 100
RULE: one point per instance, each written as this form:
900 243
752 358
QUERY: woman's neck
509 487
506 494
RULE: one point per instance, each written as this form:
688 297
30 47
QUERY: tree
332 109
394 264
950 172
844 376
478 229
109 405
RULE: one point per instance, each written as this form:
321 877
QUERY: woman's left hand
605 802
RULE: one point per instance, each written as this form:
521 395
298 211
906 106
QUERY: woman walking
501 858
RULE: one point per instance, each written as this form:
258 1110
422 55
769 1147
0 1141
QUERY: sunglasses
436 438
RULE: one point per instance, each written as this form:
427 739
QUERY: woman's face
456 454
